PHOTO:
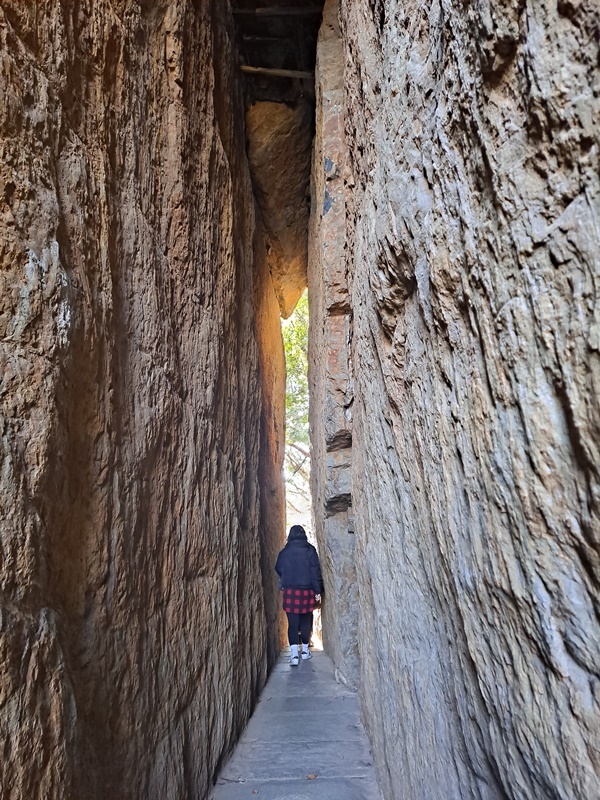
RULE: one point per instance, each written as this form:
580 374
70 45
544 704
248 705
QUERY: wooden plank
278 39
277 73
278 11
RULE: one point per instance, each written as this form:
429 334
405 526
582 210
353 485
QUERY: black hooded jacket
298 566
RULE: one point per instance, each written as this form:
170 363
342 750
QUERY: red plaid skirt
298 601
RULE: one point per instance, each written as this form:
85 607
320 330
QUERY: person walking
300 578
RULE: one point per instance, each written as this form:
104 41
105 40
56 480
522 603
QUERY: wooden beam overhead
277 73
278 11
278 39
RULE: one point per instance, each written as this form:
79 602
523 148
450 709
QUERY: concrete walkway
304 741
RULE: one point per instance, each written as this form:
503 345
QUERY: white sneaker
294 661
306 655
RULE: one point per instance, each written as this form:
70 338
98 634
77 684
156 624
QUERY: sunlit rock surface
329 357
141 460
279 138
471 245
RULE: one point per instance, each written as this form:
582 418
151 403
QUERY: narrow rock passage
305 725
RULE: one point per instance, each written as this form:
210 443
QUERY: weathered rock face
329 361
279 152
139 346
472 247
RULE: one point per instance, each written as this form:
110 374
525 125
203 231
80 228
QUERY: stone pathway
304 741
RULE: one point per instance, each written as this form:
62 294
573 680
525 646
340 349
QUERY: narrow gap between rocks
277 52
297 443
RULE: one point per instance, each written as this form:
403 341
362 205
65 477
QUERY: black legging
299 622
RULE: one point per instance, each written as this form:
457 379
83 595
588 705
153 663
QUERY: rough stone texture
133 635
329 365
473 241
279 152
272 437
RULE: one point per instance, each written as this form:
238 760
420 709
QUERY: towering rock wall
135 336
279 143
472 250
331 391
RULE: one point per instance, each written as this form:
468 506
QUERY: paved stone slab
311 704
332 727
294 759
305 725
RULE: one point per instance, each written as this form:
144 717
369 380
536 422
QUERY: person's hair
297 532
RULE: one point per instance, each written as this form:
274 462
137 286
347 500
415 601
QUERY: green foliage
295 342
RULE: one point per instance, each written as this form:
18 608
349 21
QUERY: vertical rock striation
329 362
138 348
472 250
